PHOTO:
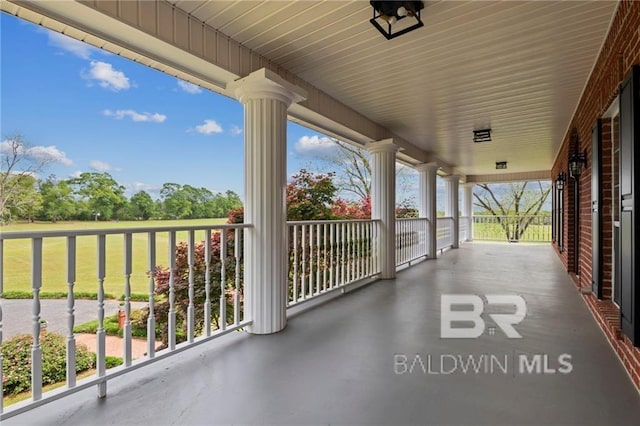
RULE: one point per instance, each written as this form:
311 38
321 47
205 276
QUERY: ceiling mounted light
482 135
389 17
501 165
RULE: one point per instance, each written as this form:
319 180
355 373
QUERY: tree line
98 196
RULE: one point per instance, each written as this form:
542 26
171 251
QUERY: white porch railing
463 228
411 239
327 255
209 274
512 228
445 233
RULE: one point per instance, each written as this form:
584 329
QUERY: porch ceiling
517 67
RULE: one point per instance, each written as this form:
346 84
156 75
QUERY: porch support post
467 210
383 202
452 209
266 98
428 203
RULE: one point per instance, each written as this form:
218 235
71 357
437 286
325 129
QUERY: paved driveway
17 314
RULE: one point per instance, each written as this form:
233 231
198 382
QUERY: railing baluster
343 260
311 256
332 259
223 280
100 333
318 264
151 320
36 349
295 264
126 332
236 295
172 291
325 251
71 340
367 251
303 289
207 282
357 249
352 246
191 316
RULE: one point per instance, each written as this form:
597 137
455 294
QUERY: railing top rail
411 218
321 222
445 218
523 216
13 235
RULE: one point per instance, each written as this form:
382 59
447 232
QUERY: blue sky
95 111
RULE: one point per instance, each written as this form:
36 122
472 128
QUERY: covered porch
338 362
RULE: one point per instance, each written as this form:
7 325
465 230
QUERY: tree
19 165
174 202
514 205
142 206
57 200
351 167
103 196
344 209
310 196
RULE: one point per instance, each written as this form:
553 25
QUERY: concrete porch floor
334 364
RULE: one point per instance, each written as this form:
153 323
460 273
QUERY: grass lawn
16 268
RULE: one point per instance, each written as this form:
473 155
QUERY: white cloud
46 154
107 77
235 130
189 87
314 145
209 127
135 116
76 174
100 166
71 45
141 186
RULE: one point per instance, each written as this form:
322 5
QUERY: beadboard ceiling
518 67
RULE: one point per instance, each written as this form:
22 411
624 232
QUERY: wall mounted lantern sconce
577 162
560 181
389 16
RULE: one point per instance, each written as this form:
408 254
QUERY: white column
428 206
383 202
467 210
266 98
452 210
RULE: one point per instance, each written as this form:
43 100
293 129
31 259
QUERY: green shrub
16 354
138 327
136 297
112 361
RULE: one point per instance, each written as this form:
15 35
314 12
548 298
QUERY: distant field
16 268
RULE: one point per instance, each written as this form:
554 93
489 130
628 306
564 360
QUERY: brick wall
621 49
